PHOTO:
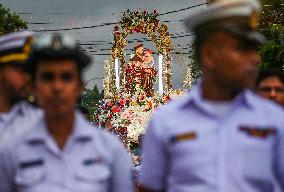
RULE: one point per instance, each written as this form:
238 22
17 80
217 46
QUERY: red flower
121 102
110 116
115 109
157 23
109 104
116 28
167 98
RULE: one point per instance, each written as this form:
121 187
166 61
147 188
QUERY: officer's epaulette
258 132
183 137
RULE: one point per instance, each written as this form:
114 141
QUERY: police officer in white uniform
221 137
16 114
63 152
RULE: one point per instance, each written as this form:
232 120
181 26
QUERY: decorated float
130 96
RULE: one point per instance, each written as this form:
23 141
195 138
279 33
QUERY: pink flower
109 104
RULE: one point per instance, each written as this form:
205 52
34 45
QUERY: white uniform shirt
18 120
188 147
92 161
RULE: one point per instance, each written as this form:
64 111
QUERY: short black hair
200 39
264 74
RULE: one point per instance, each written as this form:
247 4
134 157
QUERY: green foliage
272 26
10 22
195 66
90 100
272 56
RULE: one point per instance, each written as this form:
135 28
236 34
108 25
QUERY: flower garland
140 22
138 77
131 112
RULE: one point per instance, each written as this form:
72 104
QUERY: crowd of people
226 134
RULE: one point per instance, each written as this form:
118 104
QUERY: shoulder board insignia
31 163
35 142
92 161
258 132
183 137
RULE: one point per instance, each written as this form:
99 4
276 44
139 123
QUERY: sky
47 16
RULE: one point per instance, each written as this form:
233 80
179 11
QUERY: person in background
221 136
16 114
63 152
270 84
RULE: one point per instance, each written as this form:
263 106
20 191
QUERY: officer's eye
67 76
47 76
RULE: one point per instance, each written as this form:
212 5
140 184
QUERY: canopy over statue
139 73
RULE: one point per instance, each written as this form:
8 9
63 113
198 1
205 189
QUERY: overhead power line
175 11
91 47
74 28
115 23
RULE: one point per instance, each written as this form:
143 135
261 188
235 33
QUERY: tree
272 26
10 22
90 100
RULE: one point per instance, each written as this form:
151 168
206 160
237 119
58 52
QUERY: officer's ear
207 55
81 86
209 47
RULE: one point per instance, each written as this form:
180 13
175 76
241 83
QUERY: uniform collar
195 98
16 110
38 133
82 130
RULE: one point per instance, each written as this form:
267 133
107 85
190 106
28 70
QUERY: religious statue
140 72
139 53
149 73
